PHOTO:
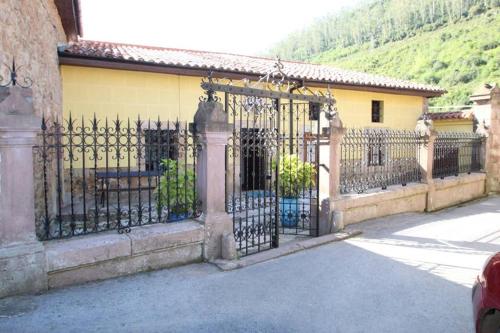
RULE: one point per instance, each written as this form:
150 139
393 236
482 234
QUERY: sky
242 27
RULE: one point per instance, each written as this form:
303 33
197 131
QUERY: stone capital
495 92
214 138
483 129
12 137
16 109
337 129
335 121
210 117
425 128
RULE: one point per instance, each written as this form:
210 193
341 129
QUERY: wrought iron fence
377 158
455 153
105 174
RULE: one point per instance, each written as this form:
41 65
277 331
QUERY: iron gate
272 159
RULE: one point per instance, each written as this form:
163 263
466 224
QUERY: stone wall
493 158
439 194
452 191
354 208
110 254
30 33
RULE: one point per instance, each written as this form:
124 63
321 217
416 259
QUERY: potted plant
295 176
176 190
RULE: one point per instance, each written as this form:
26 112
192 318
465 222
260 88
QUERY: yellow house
110 79
465 118
454 120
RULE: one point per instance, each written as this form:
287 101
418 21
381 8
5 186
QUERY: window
314 110
160 145
377 111
376 151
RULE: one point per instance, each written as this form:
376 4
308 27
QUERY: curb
286 249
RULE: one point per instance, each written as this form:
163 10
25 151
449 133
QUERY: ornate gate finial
330 108
210 92
27 82
276 76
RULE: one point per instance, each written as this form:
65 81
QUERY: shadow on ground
408 273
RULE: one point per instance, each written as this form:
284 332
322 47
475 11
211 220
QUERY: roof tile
452 115
237 63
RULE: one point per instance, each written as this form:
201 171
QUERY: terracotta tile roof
225 62
452 115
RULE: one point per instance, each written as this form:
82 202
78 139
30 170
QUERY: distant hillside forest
451 43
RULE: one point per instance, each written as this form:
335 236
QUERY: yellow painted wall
453 125
107 92
399 111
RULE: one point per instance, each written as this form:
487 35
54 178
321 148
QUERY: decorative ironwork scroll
13 77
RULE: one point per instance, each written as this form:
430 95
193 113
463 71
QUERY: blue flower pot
289 211
174 217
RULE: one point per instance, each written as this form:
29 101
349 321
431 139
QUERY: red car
486 297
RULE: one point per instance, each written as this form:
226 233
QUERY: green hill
458 52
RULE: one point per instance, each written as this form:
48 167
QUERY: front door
253 163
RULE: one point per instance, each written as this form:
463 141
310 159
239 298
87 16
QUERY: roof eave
125 64
70 14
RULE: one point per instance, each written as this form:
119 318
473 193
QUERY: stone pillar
426 153
22 256
426 157
213 129
335 219
493 144
482 130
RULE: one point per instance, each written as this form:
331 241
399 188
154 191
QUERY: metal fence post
213 129
22 257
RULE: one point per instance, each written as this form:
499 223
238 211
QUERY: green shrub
445 36
432 78
176 188
438 65
476 61
295 176
489 46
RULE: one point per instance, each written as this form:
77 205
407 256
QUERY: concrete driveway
406 273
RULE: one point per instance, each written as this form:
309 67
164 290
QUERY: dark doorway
253 159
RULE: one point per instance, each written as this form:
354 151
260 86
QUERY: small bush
478 9
176 188
432 78
445 36
294 175
438 65
463 75
476 61
489 46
